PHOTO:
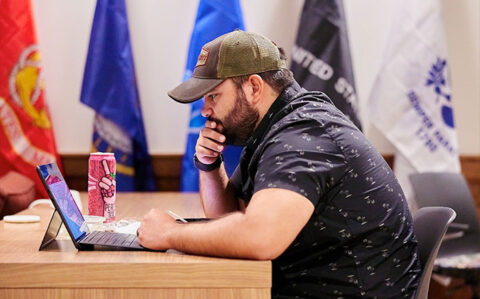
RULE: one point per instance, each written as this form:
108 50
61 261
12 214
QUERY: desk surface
23 266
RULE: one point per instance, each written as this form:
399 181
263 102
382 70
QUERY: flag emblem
437 79
26 86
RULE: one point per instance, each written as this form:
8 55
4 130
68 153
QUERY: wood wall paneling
167 169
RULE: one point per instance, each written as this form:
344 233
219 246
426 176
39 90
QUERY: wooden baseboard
167 169
471 170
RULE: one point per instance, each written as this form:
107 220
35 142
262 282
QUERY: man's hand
210 142
154 230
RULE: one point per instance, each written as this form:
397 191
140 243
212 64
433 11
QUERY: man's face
228 106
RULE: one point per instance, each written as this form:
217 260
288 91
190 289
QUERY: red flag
26 134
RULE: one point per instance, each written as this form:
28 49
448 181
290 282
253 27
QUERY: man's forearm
216 194
230 236
263 231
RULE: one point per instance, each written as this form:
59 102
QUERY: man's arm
263 231
216 194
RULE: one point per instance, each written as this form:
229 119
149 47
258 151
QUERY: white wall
160 32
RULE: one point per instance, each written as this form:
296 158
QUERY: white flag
411 99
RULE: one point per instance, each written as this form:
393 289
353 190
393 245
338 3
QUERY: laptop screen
63 198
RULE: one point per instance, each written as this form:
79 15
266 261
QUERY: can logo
102 185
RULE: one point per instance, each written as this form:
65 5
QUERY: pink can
101 185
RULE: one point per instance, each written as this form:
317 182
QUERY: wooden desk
65 272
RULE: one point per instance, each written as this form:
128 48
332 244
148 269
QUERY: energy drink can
101 185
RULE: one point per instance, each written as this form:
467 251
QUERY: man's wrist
207 167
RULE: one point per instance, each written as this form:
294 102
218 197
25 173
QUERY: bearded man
311 193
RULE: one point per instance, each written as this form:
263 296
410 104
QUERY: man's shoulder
307 96
311 111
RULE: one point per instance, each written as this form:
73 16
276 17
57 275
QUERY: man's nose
206 111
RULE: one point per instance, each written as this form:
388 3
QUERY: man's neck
265 104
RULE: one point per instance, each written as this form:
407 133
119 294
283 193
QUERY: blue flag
109 87
214 18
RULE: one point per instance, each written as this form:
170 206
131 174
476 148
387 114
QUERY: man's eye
211 96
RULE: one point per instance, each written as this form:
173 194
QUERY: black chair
451 190
429 225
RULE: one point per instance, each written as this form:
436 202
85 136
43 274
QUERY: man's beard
240 123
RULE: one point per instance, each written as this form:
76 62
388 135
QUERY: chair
16 193
450 190
429 225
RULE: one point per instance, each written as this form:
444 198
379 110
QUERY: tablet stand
52 230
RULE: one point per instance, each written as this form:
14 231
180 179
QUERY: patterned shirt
359 242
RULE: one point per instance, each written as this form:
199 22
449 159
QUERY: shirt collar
271 116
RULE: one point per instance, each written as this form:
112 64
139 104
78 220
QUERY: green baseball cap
237 53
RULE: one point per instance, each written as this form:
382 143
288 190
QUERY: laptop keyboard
111 239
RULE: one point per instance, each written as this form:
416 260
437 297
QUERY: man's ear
254 88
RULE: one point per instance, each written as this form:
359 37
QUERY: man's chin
235 142
232 140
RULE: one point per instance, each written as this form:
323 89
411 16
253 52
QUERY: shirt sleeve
303 159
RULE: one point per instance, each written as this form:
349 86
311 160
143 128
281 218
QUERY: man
310 193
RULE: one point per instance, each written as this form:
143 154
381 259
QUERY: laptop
68 212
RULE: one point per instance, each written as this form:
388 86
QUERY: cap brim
193 89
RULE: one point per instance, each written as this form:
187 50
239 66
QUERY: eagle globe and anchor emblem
26 84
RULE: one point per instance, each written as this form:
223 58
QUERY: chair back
446 189
430 225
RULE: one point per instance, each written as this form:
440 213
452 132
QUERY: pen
176 216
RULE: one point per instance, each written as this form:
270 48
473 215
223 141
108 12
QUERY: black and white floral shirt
359 242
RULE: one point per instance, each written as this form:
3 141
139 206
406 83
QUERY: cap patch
202 58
